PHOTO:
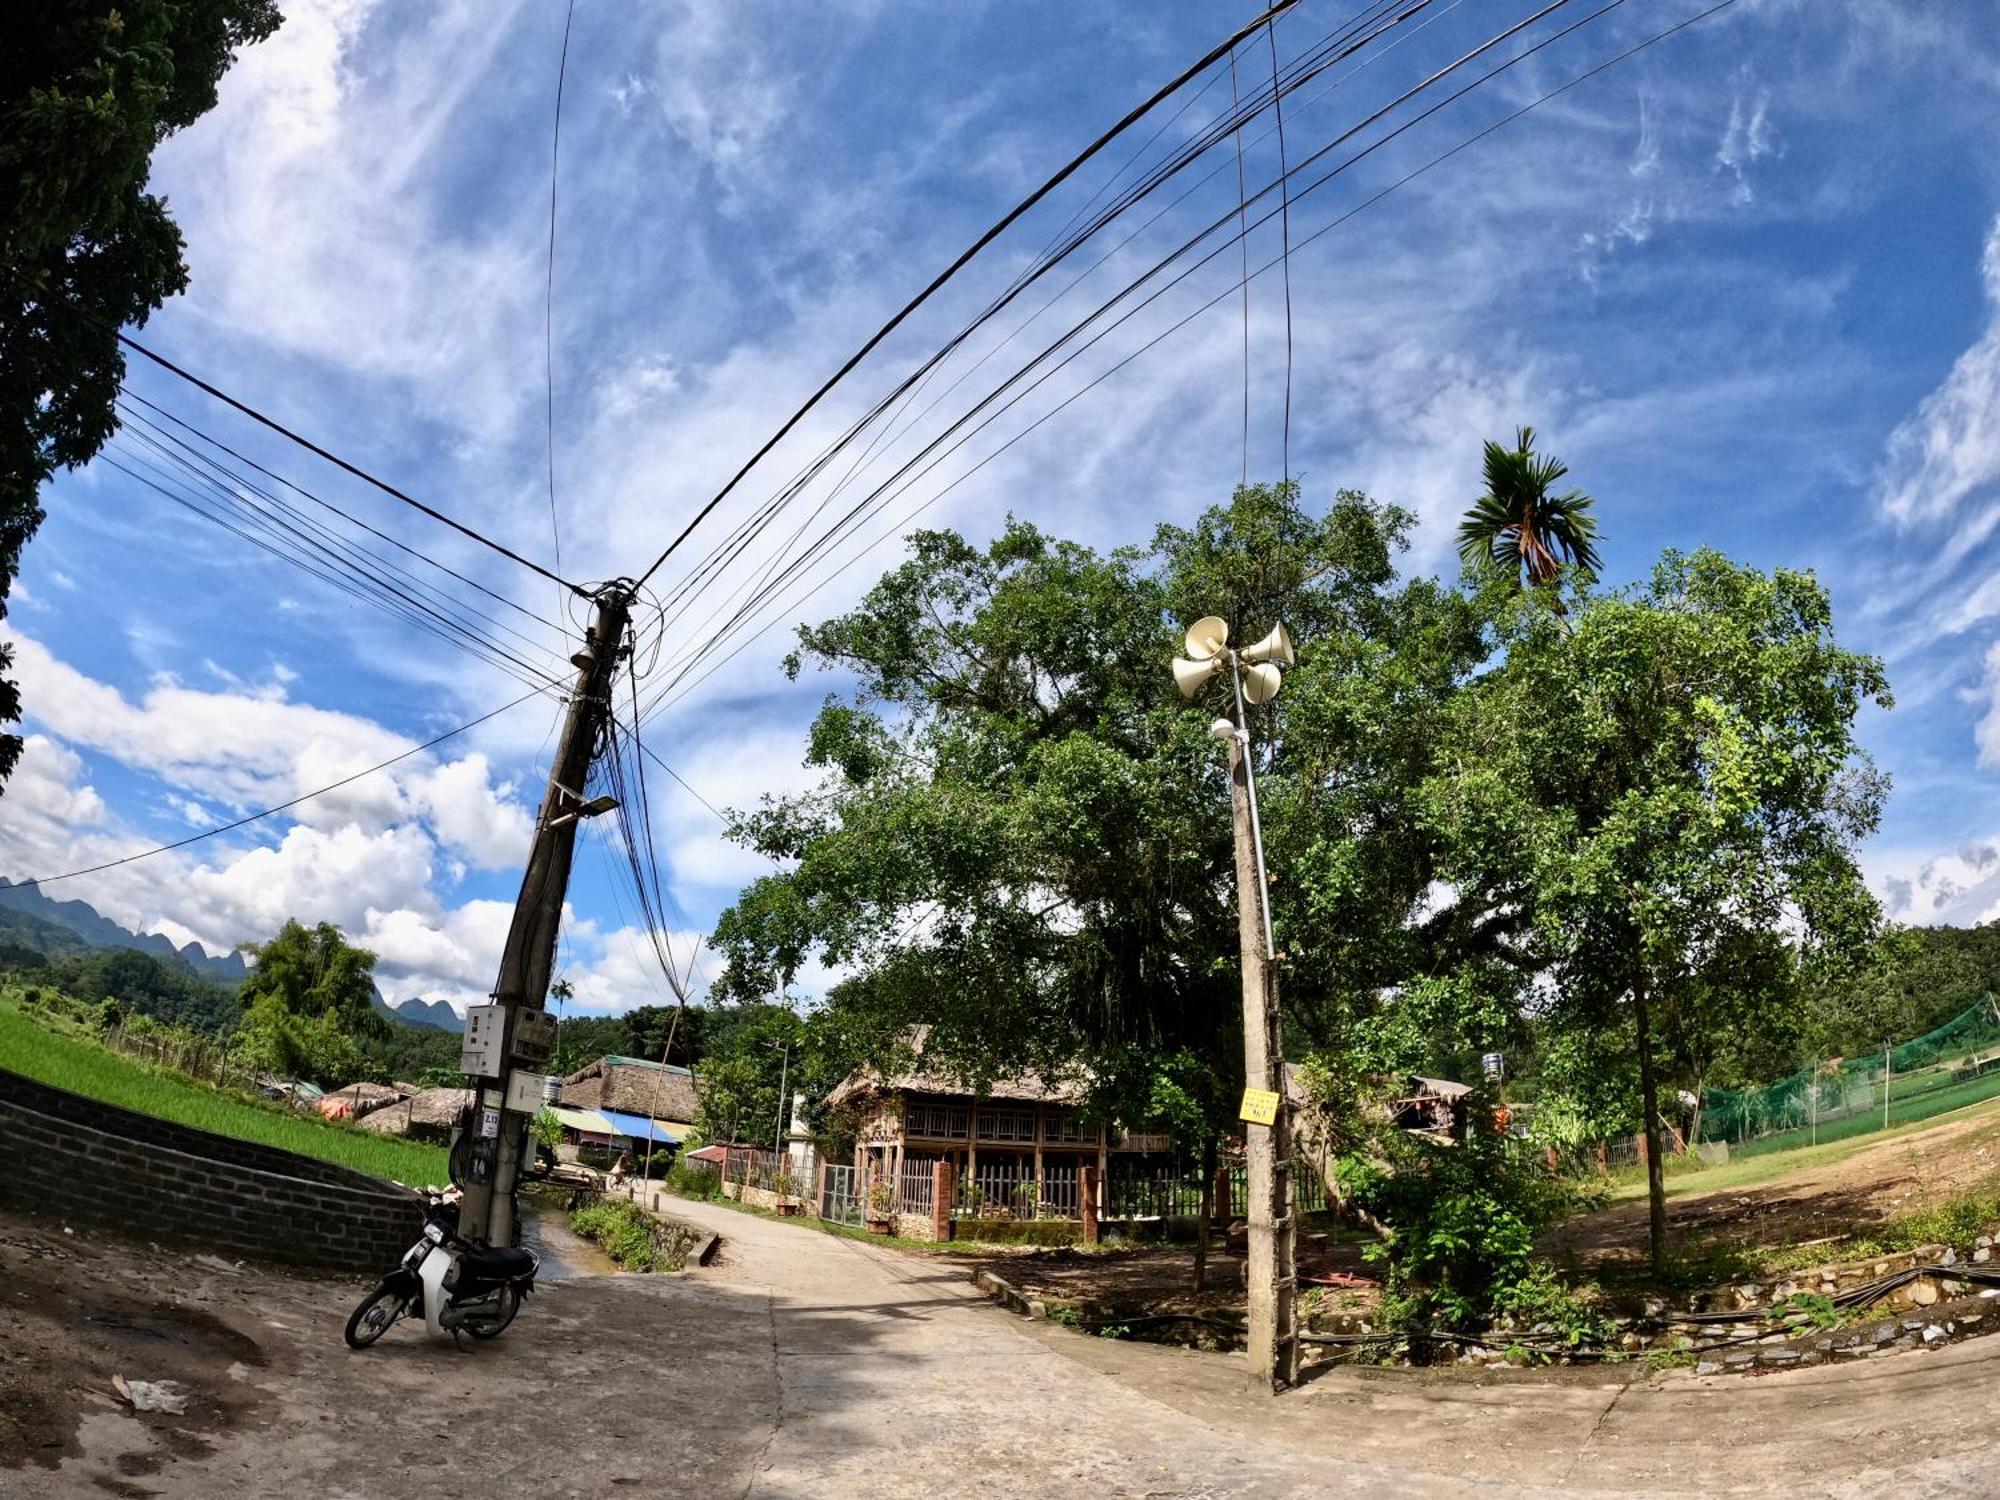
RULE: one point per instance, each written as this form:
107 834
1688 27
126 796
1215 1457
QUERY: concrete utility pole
515 1034
1271 1267
1270 1270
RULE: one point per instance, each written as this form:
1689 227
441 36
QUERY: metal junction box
479 1050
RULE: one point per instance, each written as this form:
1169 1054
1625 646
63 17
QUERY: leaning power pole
507 1041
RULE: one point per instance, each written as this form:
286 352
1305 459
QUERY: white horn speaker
1275 647
1261 682
1206 637
1190 676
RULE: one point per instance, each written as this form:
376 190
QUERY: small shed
357 1099
426 1114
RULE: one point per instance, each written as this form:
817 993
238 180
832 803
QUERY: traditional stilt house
1019 1144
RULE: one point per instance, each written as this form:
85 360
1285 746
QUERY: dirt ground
805 1366
1158 1279
1822 1203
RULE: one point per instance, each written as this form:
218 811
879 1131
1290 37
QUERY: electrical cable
222 479
403 612
549 291
1057 345
282 806
675 691
286 543
1341 45
338 462
1062 175
1285 199
126 393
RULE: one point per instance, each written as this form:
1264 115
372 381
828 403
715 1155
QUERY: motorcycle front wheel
371 1319
491 1320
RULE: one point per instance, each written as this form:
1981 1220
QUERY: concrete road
806 1365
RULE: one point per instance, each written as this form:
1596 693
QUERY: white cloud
1746 140
1948 451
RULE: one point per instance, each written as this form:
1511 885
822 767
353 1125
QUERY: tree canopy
88 89
308 1005
1616 841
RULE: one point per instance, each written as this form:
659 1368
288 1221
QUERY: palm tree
1523 528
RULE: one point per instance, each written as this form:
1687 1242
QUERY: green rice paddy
85 1067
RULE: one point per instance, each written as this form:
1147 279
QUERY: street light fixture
1256 673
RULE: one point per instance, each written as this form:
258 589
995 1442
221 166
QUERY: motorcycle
461 1285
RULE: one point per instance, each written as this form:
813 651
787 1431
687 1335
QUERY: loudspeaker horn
1191 676
1261 682
1275 647
1207 636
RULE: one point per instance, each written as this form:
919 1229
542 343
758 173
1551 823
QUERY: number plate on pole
1260 1107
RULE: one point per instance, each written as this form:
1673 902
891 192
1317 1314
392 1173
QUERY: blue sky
1747 283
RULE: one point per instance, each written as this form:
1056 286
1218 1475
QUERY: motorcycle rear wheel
371 1319
490 1325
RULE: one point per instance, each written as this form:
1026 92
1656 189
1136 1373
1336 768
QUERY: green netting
1955 1065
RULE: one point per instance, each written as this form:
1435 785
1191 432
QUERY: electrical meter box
479 1048
534 1037
524 1091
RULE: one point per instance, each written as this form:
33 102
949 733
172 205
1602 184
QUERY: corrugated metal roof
589 1121
638 1127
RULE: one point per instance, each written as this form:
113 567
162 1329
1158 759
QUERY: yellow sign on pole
1260 1107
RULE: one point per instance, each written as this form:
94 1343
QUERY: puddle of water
564 1256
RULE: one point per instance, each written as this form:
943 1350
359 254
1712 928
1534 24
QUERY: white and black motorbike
460 1285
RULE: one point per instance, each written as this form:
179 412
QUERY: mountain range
59 928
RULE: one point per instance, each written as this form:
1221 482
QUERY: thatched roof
364 1097
635 1086
427 1109
938 1078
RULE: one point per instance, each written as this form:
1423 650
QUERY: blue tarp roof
638 1127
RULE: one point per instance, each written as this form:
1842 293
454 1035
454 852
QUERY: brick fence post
941 1196
1087 1202
1225 1207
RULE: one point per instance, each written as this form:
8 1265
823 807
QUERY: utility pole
515 1034
1271 1266
784 1075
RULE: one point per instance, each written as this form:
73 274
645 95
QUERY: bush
1462 1217
694 1180
633 1237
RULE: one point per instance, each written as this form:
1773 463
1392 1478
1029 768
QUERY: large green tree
88 89
1022 837
1671 787
309 1005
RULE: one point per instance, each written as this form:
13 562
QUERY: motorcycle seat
486 1264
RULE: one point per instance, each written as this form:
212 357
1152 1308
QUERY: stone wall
78 1158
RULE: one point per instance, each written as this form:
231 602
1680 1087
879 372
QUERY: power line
1351 36
309 545
233 487
128 394
335 459
1062 175
678 688
284 806
930 455
549 292
1285 198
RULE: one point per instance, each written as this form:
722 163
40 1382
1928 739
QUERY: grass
1914 1099
1746 1169
87 1067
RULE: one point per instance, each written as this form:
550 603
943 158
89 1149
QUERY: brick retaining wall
76 1157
